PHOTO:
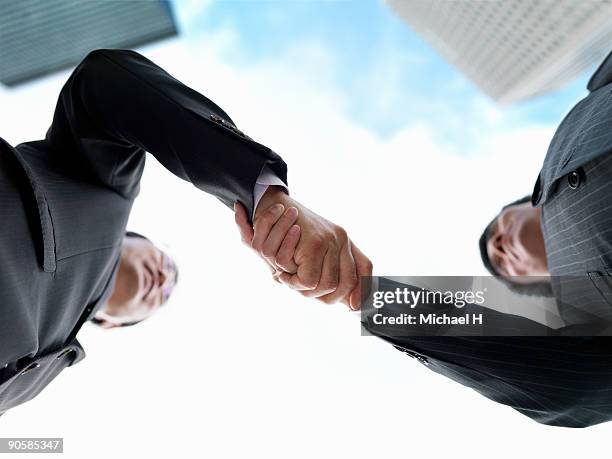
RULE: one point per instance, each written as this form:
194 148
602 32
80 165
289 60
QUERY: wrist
273 195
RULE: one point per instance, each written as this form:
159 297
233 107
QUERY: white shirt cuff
266 178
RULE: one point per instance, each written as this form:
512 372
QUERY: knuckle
310 280
317 243
332 236
341 233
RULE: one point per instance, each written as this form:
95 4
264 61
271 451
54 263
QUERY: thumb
364 272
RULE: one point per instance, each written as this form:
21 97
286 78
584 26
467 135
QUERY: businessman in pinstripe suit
556 242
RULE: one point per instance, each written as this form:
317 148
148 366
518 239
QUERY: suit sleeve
560 377
117 105
494 323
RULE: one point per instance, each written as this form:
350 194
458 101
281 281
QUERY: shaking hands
303 250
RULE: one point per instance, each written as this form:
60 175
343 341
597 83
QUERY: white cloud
188 12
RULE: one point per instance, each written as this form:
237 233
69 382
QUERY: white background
237 366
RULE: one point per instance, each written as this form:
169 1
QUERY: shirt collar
602 76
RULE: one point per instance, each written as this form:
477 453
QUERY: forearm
117 104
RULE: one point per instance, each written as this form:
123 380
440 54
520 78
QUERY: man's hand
282 239
324 263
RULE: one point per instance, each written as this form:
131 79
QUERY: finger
290 280
242 220
264 223
277 234
284 257
273 269
308 271
329 275
310 268
293 281
364 273
276 274
348 277
247 233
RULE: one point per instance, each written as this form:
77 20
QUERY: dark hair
135 234
535 289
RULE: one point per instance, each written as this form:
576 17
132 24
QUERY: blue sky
389 76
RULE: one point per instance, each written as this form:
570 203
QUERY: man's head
512 249
145 279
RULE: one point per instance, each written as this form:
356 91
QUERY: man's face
144 282
516 245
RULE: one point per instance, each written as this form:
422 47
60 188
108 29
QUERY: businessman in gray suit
65 255
558 241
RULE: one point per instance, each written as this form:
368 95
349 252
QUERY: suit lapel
46 237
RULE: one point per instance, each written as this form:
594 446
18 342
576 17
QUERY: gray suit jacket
65 201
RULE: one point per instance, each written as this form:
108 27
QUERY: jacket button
29 368
419 357
217 119
573 179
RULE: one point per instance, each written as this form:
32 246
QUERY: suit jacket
574 191
65 200
562 379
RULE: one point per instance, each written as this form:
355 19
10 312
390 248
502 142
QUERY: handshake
303 250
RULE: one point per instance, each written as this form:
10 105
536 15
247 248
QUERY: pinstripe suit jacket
574 190
556 380
65 201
